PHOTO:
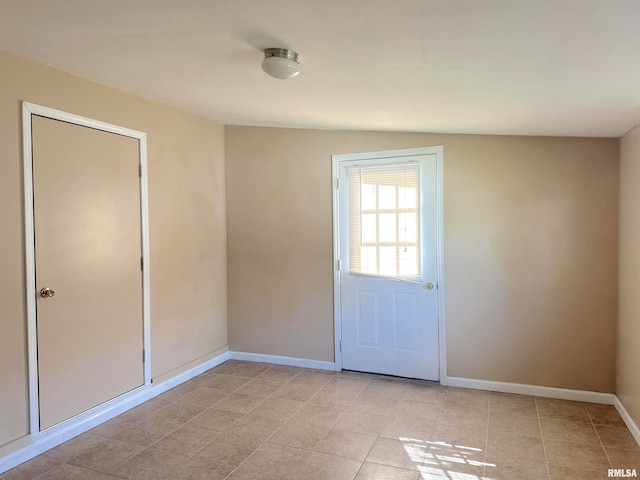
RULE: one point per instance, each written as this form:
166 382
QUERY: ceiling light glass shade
280 63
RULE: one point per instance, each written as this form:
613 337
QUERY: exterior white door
388 220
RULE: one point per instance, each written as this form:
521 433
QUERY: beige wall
530 250
187 223
628 365
530 242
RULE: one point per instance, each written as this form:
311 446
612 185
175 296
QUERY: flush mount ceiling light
280 63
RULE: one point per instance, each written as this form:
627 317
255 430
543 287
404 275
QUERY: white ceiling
531 67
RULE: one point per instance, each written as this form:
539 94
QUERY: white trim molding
29 110
280 360
534 390
631 425
442 325
336 161
82 423
54 436
551 392
337 315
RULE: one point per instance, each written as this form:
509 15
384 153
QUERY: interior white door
388 272
87 216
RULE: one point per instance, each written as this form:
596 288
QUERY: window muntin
384 221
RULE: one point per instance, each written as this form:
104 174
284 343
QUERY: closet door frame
29 110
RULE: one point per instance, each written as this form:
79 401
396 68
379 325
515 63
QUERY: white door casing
387 319
138 148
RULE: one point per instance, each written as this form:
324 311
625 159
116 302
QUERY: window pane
408 231
368 262
408 261
368 228
388 261
386 197
407 197
388 227
384 219
368 196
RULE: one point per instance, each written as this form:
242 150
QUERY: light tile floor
253 421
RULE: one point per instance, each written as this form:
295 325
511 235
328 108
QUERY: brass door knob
46 292
428 286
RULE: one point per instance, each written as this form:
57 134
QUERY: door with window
387 209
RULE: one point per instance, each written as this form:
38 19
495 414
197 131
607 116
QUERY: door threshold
392 377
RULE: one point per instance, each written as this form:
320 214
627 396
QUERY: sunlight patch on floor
439 460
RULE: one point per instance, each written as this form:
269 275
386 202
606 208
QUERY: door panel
88 250
406 321
388 225
368 319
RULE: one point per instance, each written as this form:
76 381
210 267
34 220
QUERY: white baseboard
71 428
535 390
551 392
631 425
82 423
279 360
191 373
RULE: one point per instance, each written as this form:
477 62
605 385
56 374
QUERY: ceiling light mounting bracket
281 53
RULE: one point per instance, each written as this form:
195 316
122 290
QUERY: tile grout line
367 380
599 438
335 422
266 398
143 417
344 413
544 448
214 404
286 421
189 457
265 441
145 447
250 379
486 437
